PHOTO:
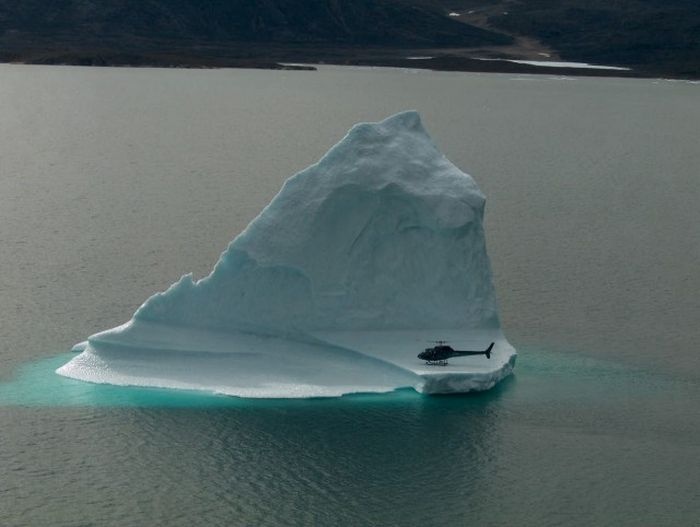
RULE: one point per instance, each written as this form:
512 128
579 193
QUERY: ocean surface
114 182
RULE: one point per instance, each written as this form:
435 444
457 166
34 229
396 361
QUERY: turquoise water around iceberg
539 373
37 384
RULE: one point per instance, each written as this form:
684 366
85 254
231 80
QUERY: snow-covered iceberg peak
384 233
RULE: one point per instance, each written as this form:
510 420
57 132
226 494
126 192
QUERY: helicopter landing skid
436 362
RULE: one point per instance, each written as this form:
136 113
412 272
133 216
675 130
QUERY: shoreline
289 60
301 66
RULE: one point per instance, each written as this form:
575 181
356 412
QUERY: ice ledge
327 364
461 375
453 382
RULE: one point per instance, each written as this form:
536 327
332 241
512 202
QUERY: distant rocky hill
355 22
654 37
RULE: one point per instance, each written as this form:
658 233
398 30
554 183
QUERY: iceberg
334 288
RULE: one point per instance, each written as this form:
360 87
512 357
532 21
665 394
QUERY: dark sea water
114 182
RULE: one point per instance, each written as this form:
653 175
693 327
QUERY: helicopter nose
423 355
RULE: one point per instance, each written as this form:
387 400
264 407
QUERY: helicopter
438 355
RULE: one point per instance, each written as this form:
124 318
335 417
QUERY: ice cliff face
383 233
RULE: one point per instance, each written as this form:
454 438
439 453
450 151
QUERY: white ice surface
334 288
231 363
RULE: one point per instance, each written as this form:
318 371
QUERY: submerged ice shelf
357 263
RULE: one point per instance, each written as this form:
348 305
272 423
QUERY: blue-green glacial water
114 182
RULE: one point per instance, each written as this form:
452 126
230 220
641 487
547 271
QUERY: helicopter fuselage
441 353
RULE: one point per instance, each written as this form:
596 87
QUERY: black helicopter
438 355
